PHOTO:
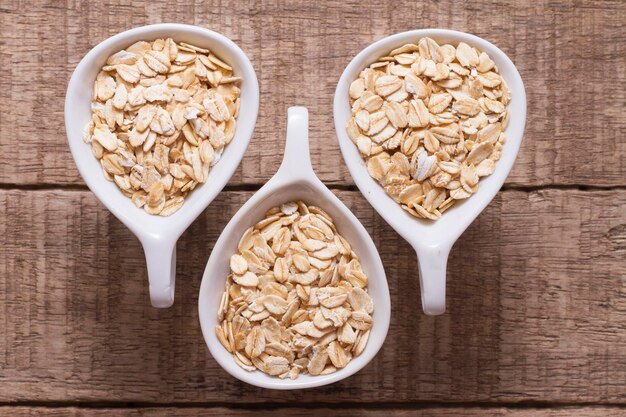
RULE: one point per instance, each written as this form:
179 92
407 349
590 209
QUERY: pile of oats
162 114
296 300
429 121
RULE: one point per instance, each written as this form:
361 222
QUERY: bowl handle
297 158
432 271
161 261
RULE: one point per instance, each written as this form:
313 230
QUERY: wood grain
536 295
537 285
571 55
301 412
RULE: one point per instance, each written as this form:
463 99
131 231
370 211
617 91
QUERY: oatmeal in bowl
134 86
422 120
162 113
429 120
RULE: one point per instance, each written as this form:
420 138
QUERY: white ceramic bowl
431 240
158 235
295 180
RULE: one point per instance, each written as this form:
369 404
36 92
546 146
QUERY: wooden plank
302 412
570 55
537 308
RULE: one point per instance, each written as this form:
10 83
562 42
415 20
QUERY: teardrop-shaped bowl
295 180
158 235
431 240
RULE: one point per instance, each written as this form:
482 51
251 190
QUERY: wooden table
536 321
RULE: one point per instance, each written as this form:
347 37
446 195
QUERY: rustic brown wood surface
536 320
301 412
536 308
571 55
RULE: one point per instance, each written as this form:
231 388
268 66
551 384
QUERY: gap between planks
403 405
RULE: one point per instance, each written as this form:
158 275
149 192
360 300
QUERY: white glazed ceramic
158 235
295 180
431 240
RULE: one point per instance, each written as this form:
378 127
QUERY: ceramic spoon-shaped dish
431 240
295 180
158 235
